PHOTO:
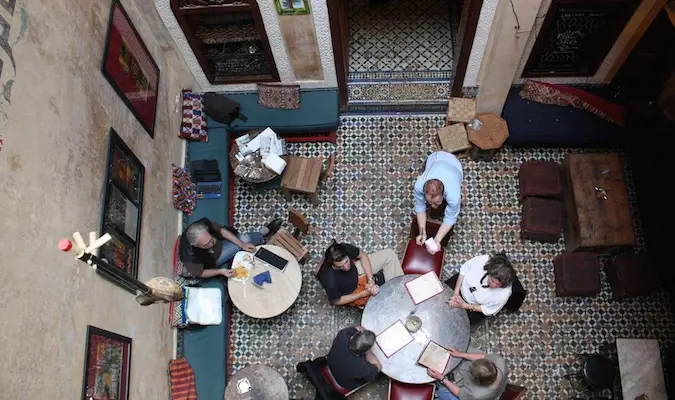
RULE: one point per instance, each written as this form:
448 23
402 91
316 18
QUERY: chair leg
287 194
315 199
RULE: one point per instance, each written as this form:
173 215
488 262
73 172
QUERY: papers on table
267 142
274 163
435 357
431 246
393 338
424 287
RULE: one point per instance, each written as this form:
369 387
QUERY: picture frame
122 207
292 7
107 365
130 69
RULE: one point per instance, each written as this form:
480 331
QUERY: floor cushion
417 260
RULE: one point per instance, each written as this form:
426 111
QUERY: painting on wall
292 7
130 69
106 365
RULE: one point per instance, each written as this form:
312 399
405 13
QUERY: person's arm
210 273
451 386
422 225
442 231
348 298
230 237
370 357
458 285
365 263
471 307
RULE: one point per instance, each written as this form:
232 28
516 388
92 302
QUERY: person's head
500 271
433 192
198 235
337 256
483 372
361 342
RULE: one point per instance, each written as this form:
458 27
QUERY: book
393 338
424 287
435 357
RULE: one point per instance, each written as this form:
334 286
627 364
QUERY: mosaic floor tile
368 201
399 92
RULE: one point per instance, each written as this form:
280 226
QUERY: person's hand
435 374
455 353
249 247
421 238
228 273
457 302
374 289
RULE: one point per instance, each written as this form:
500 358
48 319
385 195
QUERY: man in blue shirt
440 185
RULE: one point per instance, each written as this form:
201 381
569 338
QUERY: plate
242 264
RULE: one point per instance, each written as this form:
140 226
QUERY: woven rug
286 97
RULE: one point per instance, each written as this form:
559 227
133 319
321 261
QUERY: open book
424 287
435 357
393 338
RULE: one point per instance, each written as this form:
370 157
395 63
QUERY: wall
52 158
485 21
319 12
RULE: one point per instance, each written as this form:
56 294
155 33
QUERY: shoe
274 226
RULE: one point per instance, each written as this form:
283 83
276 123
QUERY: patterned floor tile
368 201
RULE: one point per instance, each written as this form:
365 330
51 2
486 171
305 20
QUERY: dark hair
361 342
483 372
499 267
335 252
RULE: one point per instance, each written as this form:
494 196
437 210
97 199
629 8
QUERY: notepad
435 357
393 338
424 287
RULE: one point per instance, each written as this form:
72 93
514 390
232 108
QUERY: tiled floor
368 202
400 38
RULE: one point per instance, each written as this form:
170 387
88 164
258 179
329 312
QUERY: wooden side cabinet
228 38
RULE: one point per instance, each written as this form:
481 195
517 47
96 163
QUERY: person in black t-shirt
350 360
350 276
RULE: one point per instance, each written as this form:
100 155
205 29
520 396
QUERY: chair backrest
514 392
325 174
299 221
518 294
318 267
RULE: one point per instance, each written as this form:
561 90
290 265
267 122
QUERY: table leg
287 194
315 199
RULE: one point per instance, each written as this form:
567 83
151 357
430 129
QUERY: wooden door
338 13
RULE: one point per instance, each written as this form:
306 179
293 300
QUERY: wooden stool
489 138
576 274
453 139
460 110
542 220
302 175
537 178
291 242
631 276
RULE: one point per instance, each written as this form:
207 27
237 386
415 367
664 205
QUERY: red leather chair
514 392
417 260
432 227
330 380
408 391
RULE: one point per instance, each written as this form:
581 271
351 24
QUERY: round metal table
273 298
447 326
256 382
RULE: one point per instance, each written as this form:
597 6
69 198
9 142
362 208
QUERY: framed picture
292 7
130 69
107 361
122 206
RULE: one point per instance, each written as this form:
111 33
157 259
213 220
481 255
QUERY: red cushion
328 376
417 260
407 391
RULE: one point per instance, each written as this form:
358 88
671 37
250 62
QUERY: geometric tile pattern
399 92
400 35
368 202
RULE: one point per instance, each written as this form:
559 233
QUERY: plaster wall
480 42
319 13
53 139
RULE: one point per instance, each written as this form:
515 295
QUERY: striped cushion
182 380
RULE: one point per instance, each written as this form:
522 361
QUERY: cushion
408 391
631 275
184 192
193 125
542 220
328 376
431 227
576 274
279 96
417 260
540 179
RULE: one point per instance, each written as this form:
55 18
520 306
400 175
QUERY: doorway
398 55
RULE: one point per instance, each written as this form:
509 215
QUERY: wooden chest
598 211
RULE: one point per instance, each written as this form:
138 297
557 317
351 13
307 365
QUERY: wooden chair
330 167
514 392
291 241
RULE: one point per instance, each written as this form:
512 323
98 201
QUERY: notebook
424 287
435 357
393 338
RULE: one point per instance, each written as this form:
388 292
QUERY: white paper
204 306
424 287
435 357
431 245
254 144
274 163
393 338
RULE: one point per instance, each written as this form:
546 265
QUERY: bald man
438 189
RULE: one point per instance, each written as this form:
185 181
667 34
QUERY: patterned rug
368 202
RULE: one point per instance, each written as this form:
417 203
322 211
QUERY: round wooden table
273 298
256 382
447 326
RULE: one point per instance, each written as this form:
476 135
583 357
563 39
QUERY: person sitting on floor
483 285
438 189
485 378
350 360
349 276
205 246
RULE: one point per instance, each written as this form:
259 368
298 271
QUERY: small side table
302 175
257 382
489 138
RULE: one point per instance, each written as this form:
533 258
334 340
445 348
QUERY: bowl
413 323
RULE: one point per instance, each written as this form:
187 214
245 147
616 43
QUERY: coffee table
447 326
641 369
257 382
273 298
265 174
